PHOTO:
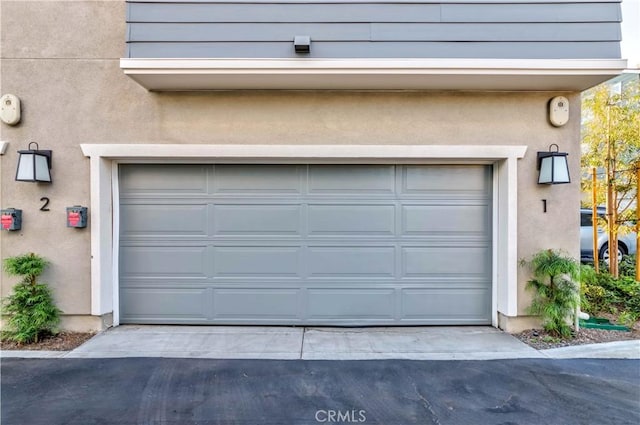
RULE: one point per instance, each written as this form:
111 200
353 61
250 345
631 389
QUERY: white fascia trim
368 1
371 74
104 240
377 66
303 152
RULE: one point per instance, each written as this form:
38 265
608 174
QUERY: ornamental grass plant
555 291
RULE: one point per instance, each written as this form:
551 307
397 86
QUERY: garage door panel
257 220
262 303
354 261
348 220
156 179
265 179
454 304
305 244
257 261
445 178
350 179
163 220
340 304
451 220
437 261
148 303
172 261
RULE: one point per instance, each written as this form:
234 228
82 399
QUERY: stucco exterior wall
73 92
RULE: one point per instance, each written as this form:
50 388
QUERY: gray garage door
305 244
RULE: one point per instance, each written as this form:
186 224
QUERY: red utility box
77 216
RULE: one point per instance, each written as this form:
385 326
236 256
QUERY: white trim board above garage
288 153
104 188
371 74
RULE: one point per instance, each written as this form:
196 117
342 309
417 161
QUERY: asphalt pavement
170 391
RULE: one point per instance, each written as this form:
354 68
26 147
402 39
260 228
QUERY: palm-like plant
556 293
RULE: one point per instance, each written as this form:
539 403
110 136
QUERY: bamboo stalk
638 221
611 225
594 219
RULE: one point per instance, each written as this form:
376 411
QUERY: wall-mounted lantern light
34 165
553 166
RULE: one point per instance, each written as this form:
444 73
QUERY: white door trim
104 197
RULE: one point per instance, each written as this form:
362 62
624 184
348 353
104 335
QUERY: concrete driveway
146 391
289 343
233 342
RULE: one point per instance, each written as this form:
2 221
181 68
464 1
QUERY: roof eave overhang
371 74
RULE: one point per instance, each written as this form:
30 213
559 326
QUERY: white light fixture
553 166
34 165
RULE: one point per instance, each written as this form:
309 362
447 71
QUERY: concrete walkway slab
323 343
213 342
607 350
414 343
246 342
32 354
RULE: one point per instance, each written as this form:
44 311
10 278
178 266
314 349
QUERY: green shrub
622 293
602 293
555 293
628 318
626 266
593 297
30 309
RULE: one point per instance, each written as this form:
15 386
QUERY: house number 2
46 202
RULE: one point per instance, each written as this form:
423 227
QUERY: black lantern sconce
34 165
553 167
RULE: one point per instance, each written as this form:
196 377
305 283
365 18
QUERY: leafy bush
592 295
30 309
555 293
602 293
626 266
628 318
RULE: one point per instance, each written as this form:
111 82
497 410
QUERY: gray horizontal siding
507 29
378 50
359 12
376 32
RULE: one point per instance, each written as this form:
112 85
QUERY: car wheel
604 252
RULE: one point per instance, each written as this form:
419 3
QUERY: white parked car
626 242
